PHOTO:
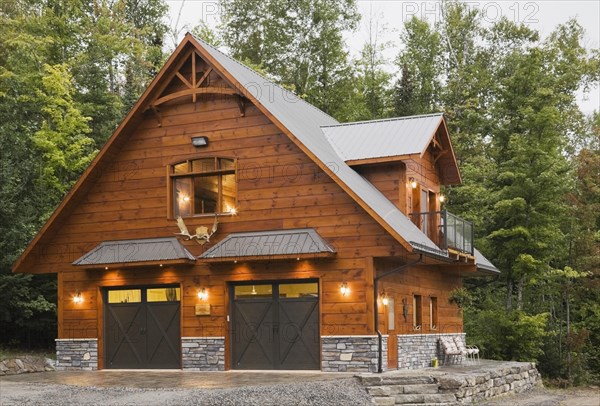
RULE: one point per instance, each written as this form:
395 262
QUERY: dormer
402 157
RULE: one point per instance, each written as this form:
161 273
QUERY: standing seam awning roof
383 138
304 121
299 241
142 250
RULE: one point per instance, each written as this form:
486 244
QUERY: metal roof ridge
261 76
274 231
383 120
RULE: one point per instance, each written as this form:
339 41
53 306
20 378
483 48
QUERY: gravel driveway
336 392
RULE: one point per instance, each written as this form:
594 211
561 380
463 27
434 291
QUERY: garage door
275 325
142 327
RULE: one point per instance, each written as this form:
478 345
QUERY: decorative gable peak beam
193 76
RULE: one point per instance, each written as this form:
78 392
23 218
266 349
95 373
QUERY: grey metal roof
483 264
149 249
269 243
383 138
304 121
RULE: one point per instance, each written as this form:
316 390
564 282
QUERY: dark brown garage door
275 325
142 327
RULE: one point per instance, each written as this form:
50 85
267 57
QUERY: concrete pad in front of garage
173 379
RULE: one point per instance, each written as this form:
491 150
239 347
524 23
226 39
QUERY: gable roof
301 121
383 138
394 138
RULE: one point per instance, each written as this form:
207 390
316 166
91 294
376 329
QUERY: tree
69 70
420 61
300 44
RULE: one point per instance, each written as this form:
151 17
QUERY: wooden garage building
228 224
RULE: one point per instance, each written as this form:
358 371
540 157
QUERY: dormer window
203 186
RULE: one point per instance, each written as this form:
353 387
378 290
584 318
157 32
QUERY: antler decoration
202 235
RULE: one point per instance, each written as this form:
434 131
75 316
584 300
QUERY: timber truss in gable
193 77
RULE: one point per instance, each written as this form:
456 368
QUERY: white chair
471 351
452 353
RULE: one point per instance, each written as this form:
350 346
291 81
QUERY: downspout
376 318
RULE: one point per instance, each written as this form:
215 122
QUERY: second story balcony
447 231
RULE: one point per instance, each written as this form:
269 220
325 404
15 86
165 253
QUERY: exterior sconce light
442 198
344 289
384 299
199 141
413 183
203 294
78 299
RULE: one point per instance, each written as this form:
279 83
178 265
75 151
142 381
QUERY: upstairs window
203 186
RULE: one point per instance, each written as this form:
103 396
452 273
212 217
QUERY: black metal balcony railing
446 230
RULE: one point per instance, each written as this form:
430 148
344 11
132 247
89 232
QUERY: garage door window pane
163 295
125 296
295 290
253 291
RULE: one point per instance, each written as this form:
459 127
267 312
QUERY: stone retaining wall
351 353
77 354
203 353
24 365
450 386
416 351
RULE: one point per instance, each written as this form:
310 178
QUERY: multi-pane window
203 186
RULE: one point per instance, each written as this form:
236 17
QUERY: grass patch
12 353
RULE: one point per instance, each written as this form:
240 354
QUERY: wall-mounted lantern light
202 294
199 141
344 289
413 183
442 198
384 299
78 299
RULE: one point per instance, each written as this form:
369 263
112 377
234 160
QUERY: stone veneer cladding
417 350
351 353
203 353
77 354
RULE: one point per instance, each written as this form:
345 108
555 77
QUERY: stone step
445 398
429 404
370 380
391 390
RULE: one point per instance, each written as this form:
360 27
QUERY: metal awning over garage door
140 252
268 245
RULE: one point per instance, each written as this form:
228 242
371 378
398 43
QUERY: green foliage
418 90
299 43
461 297
507 336
69 70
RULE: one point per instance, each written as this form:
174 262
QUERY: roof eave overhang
255 258
139 264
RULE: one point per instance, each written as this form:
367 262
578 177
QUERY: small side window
417 312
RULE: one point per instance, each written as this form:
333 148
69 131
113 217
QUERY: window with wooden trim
433 312
417 312
202 186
